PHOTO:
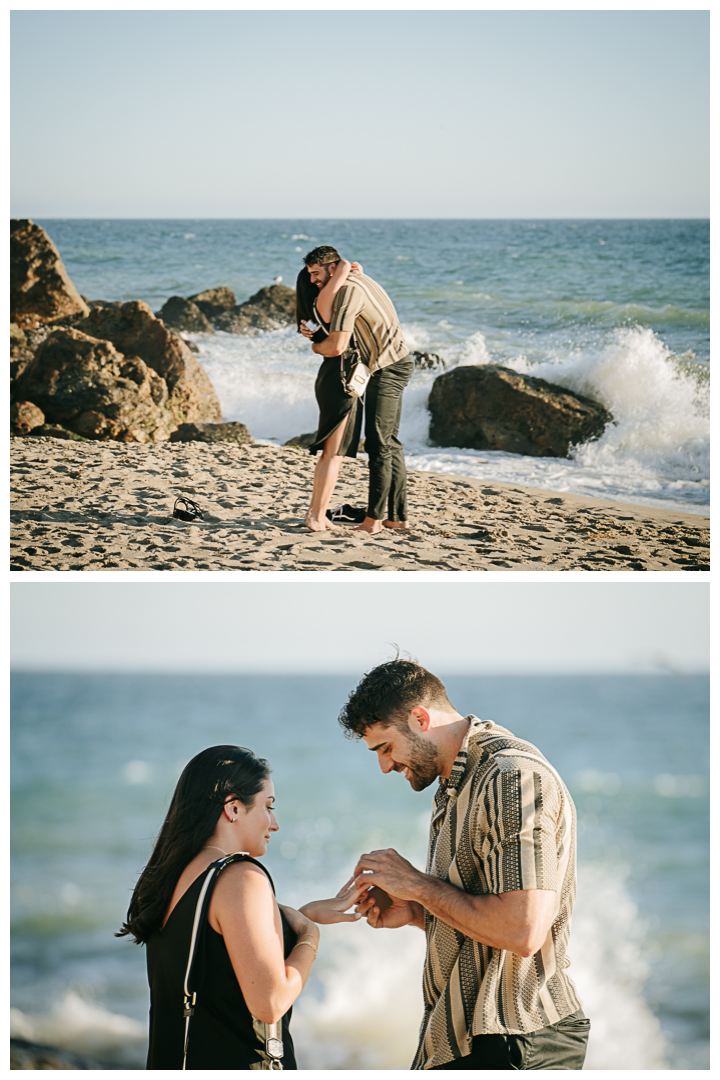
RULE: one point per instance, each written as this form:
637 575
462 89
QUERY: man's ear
421 717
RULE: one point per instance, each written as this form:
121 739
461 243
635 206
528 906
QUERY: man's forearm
334 344
492 919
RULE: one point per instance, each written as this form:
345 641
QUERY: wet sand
108 506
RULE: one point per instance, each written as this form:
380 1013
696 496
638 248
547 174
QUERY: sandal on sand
347 513
190 512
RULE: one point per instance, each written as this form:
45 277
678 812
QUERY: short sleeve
348 305
517 830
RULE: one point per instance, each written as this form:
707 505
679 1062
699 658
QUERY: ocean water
616 310
94 762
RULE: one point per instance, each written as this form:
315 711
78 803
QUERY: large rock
40 289
487 407
182 314
88 387
29 1055
213 302
134 331
24 416
233 431
269 309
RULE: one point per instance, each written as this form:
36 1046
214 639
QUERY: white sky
325 626
323 114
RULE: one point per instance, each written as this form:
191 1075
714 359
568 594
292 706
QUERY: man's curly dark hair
388 693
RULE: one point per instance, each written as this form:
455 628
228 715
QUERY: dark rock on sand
269 309
303 441
181 314
57 431
40 289
487 407
88 387
211 433
30 1055
134 331
213 302
24 416
429 361
21 351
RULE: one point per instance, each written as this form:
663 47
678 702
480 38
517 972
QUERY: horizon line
658 669
395 217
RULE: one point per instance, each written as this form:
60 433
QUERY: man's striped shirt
363 307
502 821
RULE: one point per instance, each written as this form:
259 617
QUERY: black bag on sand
345 514
186 510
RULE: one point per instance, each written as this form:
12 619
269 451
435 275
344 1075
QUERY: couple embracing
226 961
343 312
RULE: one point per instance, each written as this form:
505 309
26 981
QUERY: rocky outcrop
269 309
181 314
40 289
429 361
302 441
213 302
233 431
487 407
134 331
85 385
30 1055
24 416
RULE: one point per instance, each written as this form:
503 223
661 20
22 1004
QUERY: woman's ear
232 809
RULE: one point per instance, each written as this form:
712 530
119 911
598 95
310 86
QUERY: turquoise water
95 759
617 310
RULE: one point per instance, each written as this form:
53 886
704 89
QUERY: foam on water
363 1007
655 452
369 1012
84 1027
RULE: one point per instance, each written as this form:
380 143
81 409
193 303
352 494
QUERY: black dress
335 404
223 1032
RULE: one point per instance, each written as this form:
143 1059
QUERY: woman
338 432
253 955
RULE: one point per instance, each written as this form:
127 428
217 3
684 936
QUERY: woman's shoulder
245 873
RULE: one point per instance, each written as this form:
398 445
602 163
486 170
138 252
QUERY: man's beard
422 761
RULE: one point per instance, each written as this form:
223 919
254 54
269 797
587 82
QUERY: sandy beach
108 506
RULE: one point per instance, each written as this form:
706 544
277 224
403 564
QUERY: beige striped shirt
364 308
504 820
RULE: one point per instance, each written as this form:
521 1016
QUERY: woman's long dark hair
205 785
305 297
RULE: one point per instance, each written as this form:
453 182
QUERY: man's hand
391 872
386 912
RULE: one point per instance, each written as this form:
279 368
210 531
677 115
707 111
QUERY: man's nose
386 763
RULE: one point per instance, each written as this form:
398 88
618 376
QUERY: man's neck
453 736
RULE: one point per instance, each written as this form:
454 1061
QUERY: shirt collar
449 786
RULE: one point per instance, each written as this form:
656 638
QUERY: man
363 309
498 894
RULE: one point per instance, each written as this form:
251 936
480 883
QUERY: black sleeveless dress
334 403
223 1032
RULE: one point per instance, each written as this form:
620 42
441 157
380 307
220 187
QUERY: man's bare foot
396 524
317 525
370 526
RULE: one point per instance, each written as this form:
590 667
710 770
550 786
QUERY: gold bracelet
305 941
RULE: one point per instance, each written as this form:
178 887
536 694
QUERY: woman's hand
299 923
335 910
303 329
356 267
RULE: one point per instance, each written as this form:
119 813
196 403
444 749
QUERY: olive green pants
558 1046
383 405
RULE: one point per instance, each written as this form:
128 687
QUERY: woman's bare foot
396 524
317 525
370 526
